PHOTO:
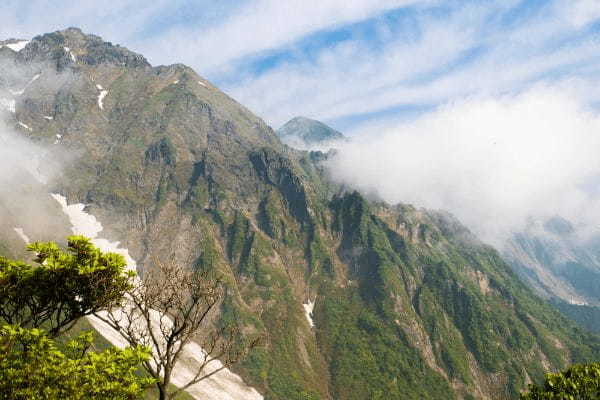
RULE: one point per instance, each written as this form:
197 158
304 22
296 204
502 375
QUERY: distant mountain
561 264
557 261
356 299
308 134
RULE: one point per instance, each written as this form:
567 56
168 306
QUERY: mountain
308 134
561 263
356 299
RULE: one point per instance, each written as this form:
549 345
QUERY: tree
579 382
62 287
167 311
33 368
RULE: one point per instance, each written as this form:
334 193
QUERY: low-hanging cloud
492 162
26 171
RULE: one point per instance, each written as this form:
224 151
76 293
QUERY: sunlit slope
407 304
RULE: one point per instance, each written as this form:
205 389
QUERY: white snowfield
308 310
101 96
224 385
17 46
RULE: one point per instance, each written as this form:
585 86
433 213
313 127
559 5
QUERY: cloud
489 48
260 26
492 161
119 21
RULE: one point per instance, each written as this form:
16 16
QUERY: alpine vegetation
208 256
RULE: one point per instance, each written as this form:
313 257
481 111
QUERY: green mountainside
407 303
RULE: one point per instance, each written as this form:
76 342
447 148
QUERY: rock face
403 302
561 264
309 134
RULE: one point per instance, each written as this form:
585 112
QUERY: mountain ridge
406 303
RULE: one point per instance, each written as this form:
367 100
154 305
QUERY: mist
29 164
494 162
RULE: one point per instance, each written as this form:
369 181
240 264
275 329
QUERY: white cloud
117 21
354 78
580 12
258 26
493 162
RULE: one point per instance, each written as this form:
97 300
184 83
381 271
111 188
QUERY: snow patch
49 118
18 46
202 83
308 311
68 50
176 82
22 235
223 385
101 96
87 225
22 125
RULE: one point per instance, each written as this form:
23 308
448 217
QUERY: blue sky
358 65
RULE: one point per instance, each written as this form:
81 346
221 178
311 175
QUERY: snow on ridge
308 310
18 46
202 83
22 235
224 385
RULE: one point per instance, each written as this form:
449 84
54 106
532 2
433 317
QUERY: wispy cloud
261 26
457 52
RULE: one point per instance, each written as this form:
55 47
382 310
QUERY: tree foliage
579 382
62 286
32 367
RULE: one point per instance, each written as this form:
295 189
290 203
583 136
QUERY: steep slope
407 304
308 134
561 264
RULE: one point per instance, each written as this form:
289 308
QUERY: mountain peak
304 132
72 45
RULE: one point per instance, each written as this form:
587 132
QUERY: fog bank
493 162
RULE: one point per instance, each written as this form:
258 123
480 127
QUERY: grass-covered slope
407 303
